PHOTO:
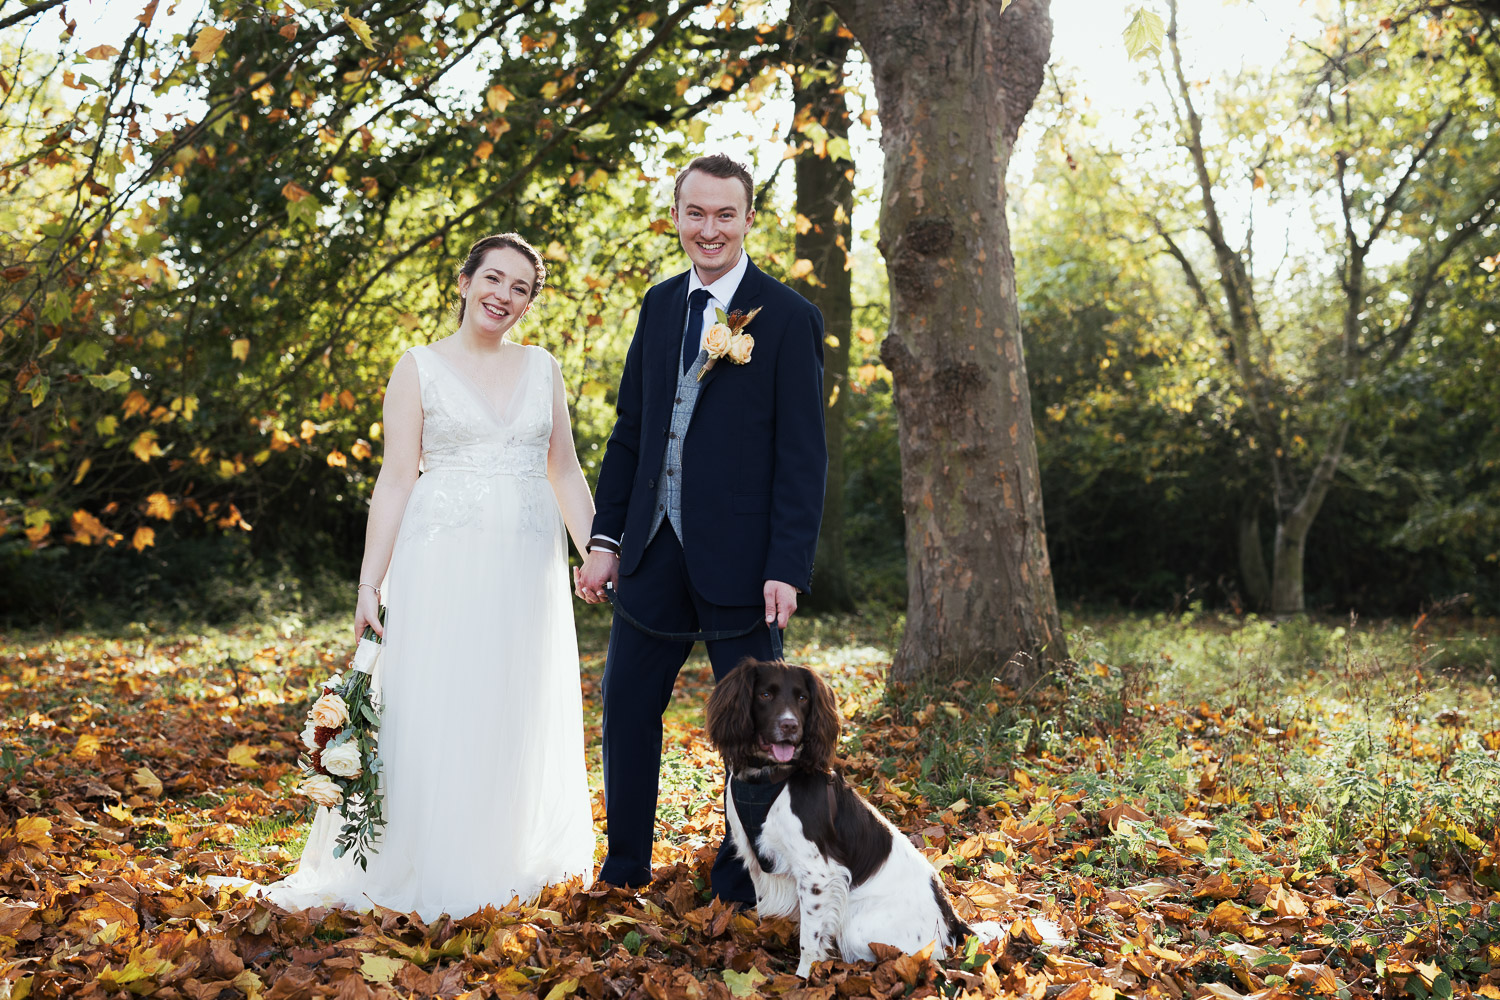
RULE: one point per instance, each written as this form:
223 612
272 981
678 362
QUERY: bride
486 794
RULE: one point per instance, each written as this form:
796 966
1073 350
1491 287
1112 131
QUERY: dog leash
611 597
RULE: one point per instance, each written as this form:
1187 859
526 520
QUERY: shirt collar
722 291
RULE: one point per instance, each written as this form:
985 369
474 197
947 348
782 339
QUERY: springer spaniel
822 854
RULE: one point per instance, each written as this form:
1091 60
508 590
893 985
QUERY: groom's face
712 217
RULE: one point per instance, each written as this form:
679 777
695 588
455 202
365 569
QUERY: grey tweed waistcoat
669 479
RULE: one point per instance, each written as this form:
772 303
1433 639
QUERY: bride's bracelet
371 586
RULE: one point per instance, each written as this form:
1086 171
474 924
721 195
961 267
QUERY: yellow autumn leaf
240 349
102 52
381 968
801 269
207 43
804 224
309 430
87 746
146 780
87 529
360 28
242 755
483 150
498 97
145 447
136 403
160 506
143 539
83 470
565 988
360 449
336 459
34 830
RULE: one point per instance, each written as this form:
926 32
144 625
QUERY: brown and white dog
822 855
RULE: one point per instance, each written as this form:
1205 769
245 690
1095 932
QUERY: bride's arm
398 474
563 470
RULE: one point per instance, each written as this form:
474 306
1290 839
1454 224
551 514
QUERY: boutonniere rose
725 339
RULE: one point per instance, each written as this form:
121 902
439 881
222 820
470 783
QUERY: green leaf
113 380
742 984
38 390
597 132
838 149
360 28
1143 35
87 354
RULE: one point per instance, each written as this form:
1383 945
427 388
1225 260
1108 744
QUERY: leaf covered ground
1223 808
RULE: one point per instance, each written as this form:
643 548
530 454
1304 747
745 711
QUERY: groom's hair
718 165
515 242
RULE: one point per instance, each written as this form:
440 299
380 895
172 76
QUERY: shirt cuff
603 543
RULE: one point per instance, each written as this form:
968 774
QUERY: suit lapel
744 300
669 333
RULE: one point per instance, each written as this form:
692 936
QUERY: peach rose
717 340
322 790
329 711
740 346
343 760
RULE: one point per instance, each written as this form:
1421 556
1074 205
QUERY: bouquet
341 768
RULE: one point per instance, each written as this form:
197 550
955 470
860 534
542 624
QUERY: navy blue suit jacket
755 461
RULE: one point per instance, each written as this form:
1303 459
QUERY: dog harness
752 801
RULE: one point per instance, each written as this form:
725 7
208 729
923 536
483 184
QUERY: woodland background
221 229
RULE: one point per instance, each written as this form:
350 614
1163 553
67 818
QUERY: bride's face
499 294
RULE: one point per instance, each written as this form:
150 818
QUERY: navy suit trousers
639 674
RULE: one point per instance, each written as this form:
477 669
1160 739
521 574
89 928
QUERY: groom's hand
599 568
781 602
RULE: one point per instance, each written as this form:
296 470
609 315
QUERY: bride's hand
367 613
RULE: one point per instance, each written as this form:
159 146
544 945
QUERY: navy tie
692 333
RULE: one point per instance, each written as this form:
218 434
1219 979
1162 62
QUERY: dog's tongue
782 752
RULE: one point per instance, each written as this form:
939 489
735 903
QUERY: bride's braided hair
514 241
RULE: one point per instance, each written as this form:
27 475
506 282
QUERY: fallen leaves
143 767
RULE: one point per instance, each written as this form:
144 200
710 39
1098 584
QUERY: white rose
342 760
329 711
716 341
323 790
310 737
740 346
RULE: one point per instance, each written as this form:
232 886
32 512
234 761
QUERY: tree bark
825 198
954 78
1253 557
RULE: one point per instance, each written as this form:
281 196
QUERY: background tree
1391 168
824 226
954 80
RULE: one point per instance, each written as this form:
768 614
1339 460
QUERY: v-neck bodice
461 430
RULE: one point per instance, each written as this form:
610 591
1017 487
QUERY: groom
709 498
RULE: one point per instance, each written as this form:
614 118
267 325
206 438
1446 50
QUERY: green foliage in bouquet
342 766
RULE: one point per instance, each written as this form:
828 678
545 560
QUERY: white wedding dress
486 794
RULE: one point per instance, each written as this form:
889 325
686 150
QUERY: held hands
599 568
781 602
367 613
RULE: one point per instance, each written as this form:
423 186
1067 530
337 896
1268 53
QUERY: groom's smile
712 216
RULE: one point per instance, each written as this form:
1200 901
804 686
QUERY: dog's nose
788 728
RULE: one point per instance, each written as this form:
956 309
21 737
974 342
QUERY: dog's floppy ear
820 736
731 715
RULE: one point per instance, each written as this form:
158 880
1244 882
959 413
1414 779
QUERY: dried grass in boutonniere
341 769
724 339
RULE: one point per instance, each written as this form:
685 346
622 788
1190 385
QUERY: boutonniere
724 339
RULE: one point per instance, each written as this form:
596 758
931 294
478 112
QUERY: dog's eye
801 696
765 696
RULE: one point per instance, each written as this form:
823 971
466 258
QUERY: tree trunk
1293 526
1253 557
825 198
954 78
